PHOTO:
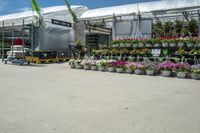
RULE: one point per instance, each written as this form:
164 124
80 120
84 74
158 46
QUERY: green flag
36 8
71 11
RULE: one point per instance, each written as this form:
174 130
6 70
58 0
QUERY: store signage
98 29
156 52
61 23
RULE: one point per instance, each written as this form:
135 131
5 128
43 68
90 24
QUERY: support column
2 45
199 22
12 38
114 27
32 37
139 25
23 40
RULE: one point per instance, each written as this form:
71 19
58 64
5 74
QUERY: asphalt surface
56 99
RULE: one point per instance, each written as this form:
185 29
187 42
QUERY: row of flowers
158 42
115 51
141 51
166 68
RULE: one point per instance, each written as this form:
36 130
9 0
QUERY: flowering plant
85 62
72 62
114 51
110 63
130 65
139 66
166 66
118 64
195 69
92 62
181 67
78 62
124 51
150 65
101 63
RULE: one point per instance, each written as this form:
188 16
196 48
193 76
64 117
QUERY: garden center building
56 33
95 27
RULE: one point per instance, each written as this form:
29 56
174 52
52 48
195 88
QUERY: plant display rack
39 57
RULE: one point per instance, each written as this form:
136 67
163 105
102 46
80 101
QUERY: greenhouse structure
135 20
95 27
57 32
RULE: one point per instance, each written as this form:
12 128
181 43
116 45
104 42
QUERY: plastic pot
94 68
150 72
78 66
129 71
86 67
166 73
189 45
165 45
139 72
181 44
101 68
119 70
195 76
72 66
181 74
172 45
111 69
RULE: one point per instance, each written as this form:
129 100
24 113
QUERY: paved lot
56 99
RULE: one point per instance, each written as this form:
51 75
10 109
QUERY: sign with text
61 23
156 52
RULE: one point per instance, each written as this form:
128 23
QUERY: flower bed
166 68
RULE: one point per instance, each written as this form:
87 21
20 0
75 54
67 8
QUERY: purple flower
181 67
166 65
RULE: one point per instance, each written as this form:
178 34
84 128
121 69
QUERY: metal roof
145 7
46 11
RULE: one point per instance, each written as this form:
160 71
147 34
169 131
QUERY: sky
12 6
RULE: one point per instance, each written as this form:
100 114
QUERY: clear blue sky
10 6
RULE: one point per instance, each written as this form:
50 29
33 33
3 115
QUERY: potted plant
130 67
156 43
150 68
148 43
93 65
181 43
123 43
120 66
166 68
128 43
198 43
86 64
78 64
141 43
114 52
172 43
190 43
134 43
165 43
178 26
181 69
111 66
72 63
116 43
101 64
195 71
193 27
140 69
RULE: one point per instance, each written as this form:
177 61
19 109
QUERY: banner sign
61 23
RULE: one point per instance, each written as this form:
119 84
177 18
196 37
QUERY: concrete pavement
56 99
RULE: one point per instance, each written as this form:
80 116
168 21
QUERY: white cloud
3 4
